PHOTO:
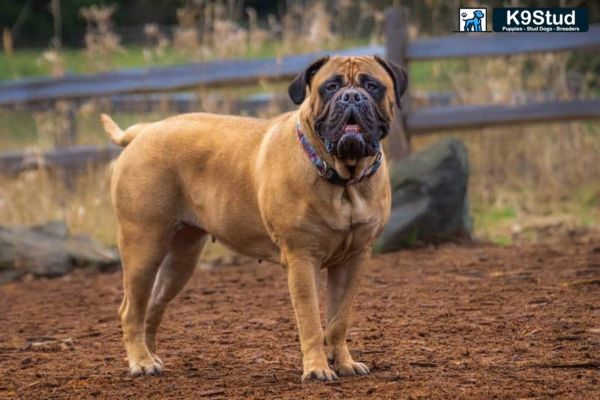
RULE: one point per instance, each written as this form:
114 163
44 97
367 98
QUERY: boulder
49 251
429 197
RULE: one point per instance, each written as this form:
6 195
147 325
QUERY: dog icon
473 24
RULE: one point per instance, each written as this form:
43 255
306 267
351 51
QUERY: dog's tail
116 134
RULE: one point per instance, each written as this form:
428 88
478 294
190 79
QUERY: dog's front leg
302 280
342 284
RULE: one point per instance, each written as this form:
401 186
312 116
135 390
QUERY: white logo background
469 16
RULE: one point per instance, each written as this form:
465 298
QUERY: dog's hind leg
143 249
175 271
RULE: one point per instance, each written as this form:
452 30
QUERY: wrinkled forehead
352 68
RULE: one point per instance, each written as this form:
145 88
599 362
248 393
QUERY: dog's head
478 14
350 102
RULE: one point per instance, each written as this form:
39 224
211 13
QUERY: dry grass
528 175
100 38
209 29
532 177
157 43
527 182
83 202
523 176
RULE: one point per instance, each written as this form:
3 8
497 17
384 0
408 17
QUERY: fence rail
70 158
37 92
217 73
422 121
436 119
236 72
502 44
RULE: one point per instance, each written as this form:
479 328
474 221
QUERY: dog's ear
398 75
297 89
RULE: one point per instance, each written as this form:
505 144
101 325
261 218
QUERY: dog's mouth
351 125
350 133
351 144
351 129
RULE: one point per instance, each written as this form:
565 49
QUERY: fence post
66 110
396 40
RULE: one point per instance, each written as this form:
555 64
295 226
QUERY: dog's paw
157 359
352 368
319 374
150 365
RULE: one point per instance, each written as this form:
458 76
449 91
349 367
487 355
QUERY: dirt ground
453 321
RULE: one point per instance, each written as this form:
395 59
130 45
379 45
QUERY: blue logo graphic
474 23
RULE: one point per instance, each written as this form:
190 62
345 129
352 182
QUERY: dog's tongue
351 128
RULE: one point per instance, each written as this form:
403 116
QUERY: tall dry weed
305 28
185 35
533 170
101 41
157 43
208 29
82 201
548 161
228 37
55 126
55 60
514 80
536 169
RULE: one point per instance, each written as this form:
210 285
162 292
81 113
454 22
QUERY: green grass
493 222
433 75
497 223
17 130
20 130
30 63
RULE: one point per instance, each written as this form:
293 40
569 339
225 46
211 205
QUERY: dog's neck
309 130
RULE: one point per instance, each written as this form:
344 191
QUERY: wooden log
396 40
502 44
71 158
216 73
419 122
437 119
235 72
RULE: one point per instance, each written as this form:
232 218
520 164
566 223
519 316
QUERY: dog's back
174 166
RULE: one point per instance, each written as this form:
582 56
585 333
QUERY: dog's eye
371 86
332 86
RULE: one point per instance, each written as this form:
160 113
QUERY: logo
472 19
541 19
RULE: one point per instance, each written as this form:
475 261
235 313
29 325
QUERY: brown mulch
450 322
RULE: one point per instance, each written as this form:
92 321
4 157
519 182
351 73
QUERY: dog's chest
355 232
354 217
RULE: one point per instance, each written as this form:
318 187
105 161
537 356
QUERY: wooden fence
35 92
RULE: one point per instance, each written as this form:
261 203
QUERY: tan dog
308 189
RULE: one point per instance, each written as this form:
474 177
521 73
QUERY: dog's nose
353 96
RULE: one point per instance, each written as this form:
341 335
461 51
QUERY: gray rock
429 197
48 251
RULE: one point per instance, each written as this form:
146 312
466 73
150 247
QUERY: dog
474 24
308 189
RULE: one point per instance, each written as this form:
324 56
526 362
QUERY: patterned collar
330 174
